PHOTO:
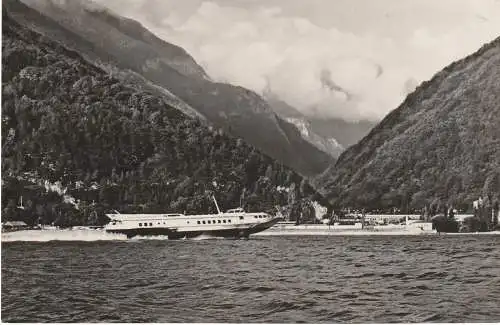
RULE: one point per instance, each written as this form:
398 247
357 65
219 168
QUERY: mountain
301 122
331 135
346 133
37 21
124 47
328 145
440 146
281 107
77 142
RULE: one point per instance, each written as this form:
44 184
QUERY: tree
126 148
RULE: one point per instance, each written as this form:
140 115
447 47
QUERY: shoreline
48 235
368 233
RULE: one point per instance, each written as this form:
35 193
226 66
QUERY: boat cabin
237 210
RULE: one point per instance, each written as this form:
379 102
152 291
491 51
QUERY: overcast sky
355 59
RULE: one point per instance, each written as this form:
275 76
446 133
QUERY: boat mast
20 206
216 205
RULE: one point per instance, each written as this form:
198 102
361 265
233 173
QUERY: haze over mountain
348 59
442 144
77 142
132 53
325 143
331 135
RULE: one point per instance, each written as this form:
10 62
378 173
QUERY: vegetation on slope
440 147
77 142
109 39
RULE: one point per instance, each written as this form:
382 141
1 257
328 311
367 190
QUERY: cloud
352 59
326 81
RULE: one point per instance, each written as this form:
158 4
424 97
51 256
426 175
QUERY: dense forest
439 148
77 143
125 47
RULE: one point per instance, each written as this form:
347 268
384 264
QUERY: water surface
264 279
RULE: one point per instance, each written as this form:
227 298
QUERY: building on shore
14 225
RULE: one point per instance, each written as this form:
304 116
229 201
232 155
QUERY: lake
319 279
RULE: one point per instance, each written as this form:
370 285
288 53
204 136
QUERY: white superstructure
233 223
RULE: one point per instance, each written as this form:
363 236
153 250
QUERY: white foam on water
206 237
165 237
156 237
60 235
101 235
47 235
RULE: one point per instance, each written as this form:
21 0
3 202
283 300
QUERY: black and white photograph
250 161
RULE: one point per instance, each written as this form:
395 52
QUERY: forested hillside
441 146
127 48
77 143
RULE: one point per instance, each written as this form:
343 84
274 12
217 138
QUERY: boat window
224 220
203 221
151 224
198 221
188 222
241 217
158 222
209 222
218 221
213 221
229 220
140 224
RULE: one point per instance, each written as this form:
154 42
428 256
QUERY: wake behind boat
234 223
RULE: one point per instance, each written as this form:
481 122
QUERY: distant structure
390 217
487 213
14 225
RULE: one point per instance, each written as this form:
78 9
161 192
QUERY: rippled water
264 279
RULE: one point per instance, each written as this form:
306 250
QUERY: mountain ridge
290 114
105 145
330 134
238 110
407 161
